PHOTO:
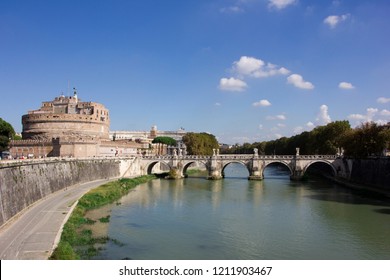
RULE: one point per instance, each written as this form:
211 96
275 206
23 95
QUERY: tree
328 138
200 143
366 140
7 132
165 140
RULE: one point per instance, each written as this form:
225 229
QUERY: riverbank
360 187
78 243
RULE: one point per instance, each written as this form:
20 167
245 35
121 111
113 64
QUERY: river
234 218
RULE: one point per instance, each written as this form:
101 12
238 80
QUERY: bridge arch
245 164
278 163
151 165
187 164
321 166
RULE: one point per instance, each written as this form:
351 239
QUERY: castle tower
67 118
153 132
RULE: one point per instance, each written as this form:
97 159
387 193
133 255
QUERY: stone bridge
254 163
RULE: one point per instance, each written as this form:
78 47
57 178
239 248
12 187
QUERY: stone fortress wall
67 117
51 125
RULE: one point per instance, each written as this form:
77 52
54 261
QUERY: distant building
225 146
146 135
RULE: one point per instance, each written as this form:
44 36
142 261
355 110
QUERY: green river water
234 218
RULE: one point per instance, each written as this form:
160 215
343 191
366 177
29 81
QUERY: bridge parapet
158 157
277 157
170 157
329 157
232 157
240 157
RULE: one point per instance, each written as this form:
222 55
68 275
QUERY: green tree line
366 140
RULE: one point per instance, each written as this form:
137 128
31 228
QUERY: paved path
33 234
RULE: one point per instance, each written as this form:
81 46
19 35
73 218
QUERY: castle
67 118
68 127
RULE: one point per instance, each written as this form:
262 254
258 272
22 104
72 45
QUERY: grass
78 243
105 219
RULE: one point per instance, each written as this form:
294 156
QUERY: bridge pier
255 177
214 175
256 168
297 175
297 168
176 170
175 173
215 169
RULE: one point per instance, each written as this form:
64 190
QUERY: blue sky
243 70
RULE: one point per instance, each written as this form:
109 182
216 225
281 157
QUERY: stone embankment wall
24 182
374 173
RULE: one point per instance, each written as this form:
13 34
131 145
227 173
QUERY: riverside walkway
34 233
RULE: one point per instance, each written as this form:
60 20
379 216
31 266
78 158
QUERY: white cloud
383 100
382 122
257 68
232 10
280 4
385 113
248 65
356 117
310 125
262 103
298 129
323 116
277 117
333 20
298 82
281 125
218 104
261 126
278 135
371 112
232 84
370 115
345 85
